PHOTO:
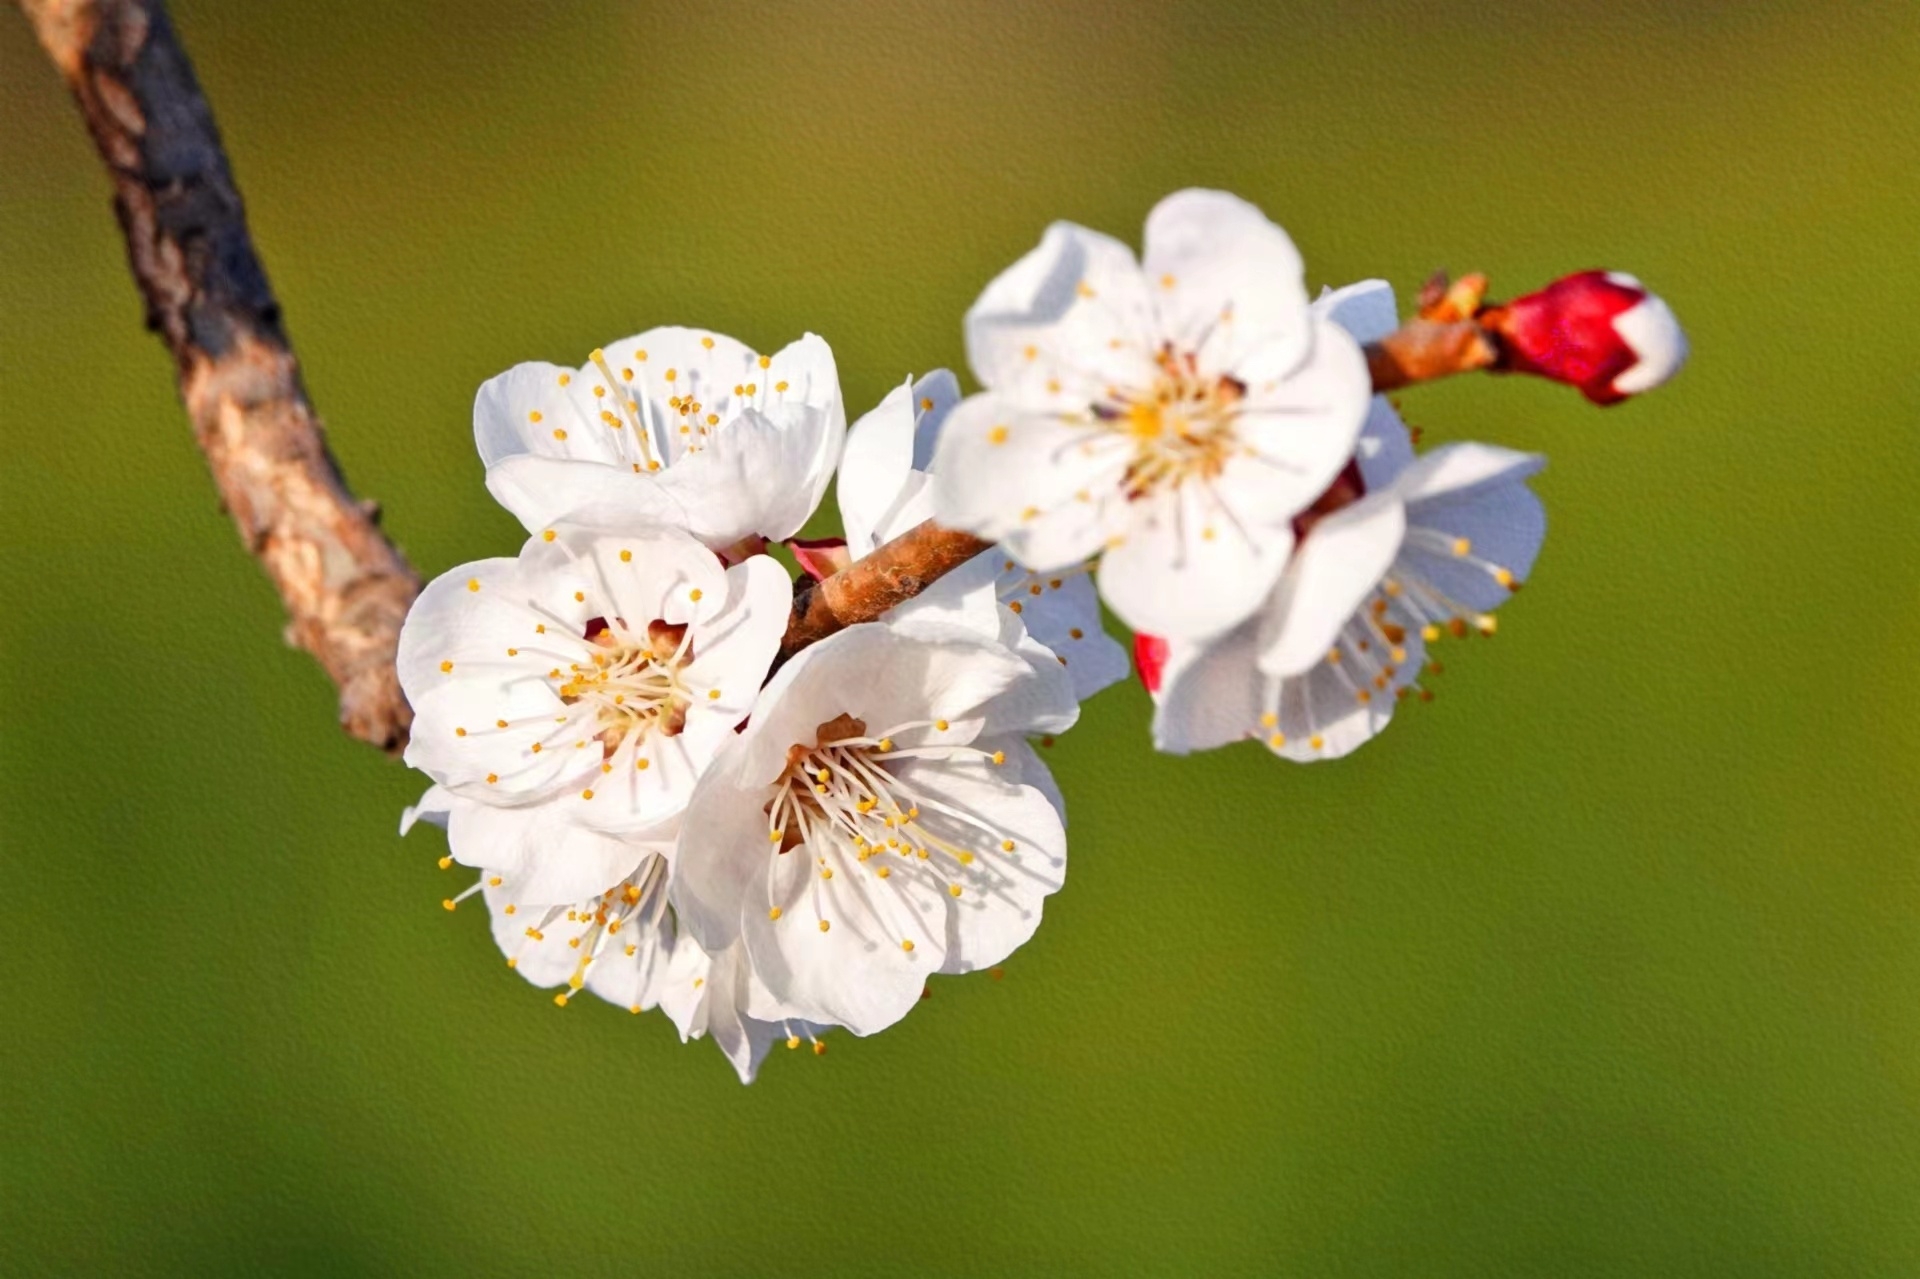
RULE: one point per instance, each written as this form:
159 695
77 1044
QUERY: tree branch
345 587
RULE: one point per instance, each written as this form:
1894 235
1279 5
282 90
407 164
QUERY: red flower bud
1600 331
1150 659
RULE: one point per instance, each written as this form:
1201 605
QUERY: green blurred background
1608 962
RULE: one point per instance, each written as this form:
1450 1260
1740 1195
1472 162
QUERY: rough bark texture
345 587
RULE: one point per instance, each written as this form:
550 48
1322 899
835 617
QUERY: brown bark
1423 350
867 588
345 587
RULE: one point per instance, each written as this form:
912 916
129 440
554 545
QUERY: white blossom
880 819
1399 552
673 426
1172 414
576 692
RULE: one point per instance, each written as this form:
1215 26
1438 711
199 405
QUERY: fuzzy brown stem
345 587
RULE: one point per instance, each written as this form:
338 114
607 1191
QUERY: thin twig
345 587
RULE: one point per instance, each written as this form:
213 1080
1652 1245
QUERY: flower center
633 685
841 800
1181 427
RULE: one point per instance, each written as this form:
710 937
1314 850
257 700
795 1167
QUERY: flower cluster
665 813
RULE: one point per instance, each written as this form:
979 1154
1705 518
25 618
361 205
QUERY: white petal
997 471
1338 566
720 856
973 808
1228 284
1455 470
743 1038
1301 430
1075 312
434 807
1365 310
1065 617
875 467
883 676
542 861
934 397
1187 568
1211 693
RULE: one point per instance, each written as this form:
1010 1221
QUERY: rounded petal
541 861
1003 474
1228 284
1187 569
1064 616
1211 693
1365 310
1300 431
1339 565
1070 318
875 467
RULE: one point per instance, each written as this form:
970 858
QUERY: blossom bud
1600 331
1150 654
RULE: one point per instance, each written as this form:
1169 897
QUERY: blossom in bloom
1397 553
622 943
1049 618
1600 331
880 818
576 692
674 426
1172 414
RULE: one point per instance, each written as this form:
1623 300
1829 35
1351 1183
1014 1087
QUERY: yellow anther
446 863
998 435
626 557
907 945
1006 845
827 873
559 434
884 872
641 355
1504 577
446 668
1462 545
449 903
560 1000
565 378
492 778
953 890
1032 353
1277 740
695 594
764 361
587 794
1084 289
536 748
999 757
774 836
672 374
1363 696
534 416
1166 281
626 375
713 694
779 386
1076 633
825 926
459 732
1269 720
642 764
1016 606
926 405
579 597
1317 741
1333 655
1429 632
940 724
886 744
819 1049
